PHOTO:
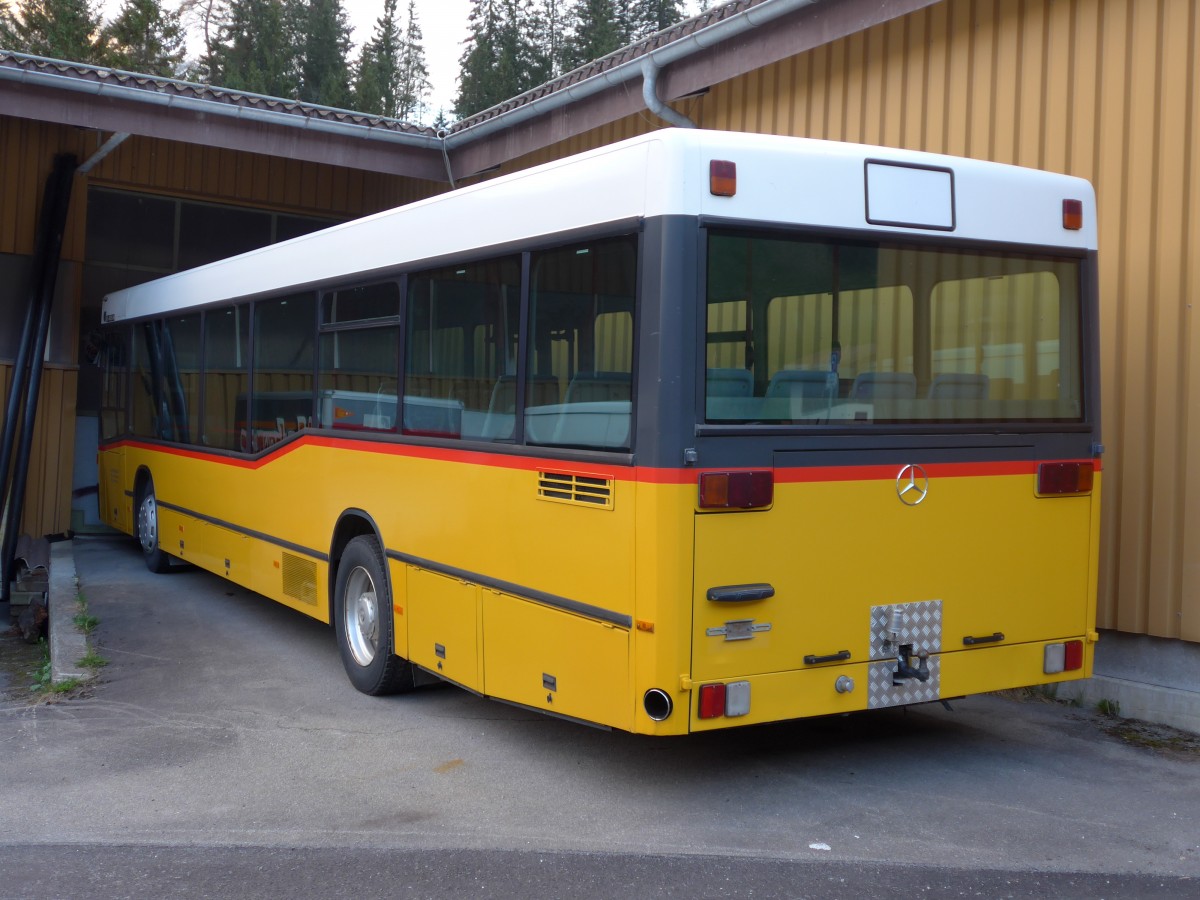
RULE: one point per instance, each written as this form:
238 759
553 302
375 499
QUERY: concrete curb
68 644
1149 702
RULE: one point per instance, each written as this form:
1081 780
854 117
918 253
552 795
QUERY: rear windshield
804 331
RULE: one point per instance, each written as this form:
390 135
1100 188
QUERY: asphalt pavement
223 739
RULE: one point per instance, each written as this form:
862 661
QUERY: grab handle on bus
813 660
740 593
971 640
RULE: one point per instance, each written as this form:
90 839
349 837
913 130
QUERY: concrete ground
225 721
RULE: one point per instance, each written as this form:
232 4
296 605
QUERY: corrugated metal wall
1104 89
27 151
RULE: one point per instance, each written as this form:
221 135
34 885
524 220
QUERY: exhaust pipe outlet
658 704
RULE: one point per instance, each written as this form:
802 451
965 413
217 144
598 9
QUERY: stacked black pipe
20 412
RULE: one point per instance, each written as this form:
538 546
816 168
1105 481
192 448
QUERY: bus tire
147 530
362 621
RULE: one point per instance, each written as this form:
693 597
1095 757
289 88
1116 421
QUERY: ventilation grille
582 490
300 579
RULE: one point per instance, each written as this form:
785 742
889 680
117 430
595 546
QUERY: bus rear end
896 468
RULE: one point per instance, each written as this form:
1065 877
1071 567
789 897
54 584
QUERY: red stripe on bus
641 474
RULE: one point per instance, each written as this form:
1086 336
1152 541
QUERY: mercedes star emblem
912 485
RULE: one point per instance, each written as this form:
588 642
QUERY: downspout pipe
727 29
654 103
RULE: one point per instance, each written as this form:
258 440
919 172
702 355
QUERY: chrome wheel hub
361 616
148 524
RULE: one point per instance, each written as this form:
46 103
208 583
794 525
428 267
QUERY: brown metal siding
1104 89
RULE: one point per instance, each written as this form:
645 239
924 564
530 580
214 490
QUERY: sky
443 28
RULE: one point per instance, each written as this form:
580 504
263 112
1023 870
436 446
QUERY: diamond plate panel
881 692
921 626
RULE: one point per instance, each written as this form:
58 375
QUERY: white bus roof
782 180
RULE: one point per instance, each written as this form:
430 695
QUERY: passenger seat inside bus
884 386
807 384
498 423
958 386
591 387
730 383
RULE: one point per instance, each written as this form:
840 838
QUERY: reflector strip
712 701
737 698
1053 659
1073 656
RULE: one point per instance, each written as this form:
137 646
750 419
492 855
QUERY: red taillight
1073 215
1073 656
1064 657
1055 479
722 177
712 701
736 490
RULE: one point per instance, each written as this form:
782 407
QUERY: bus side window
284 357
226 374
461 348
360 360
581 338
114 390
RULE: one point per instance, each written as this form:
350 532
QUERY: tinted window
461 351
811 331
284 360
226 376
580 385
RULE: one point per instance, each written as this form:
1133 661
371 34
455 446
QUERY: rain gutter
735 25
211 106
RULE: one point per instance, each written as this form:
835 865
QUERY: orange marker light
722 178
1072 215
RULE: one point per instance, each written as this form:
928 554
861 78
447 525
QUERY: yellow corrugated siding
1104 89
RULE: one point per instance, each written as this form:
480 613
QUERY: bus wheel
362 621
147 531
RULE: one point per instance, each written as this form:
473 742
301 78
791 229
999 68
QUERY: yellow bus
693 431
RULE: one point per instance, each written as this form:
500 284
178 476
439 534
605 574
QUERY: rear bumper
814 691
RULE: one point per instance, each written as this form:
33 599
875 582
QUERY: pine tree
378 69
392 78
495 64
7 26
477 63
598 27
550 30
61 29
413 85
649 16
321 47
145 38
253 52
